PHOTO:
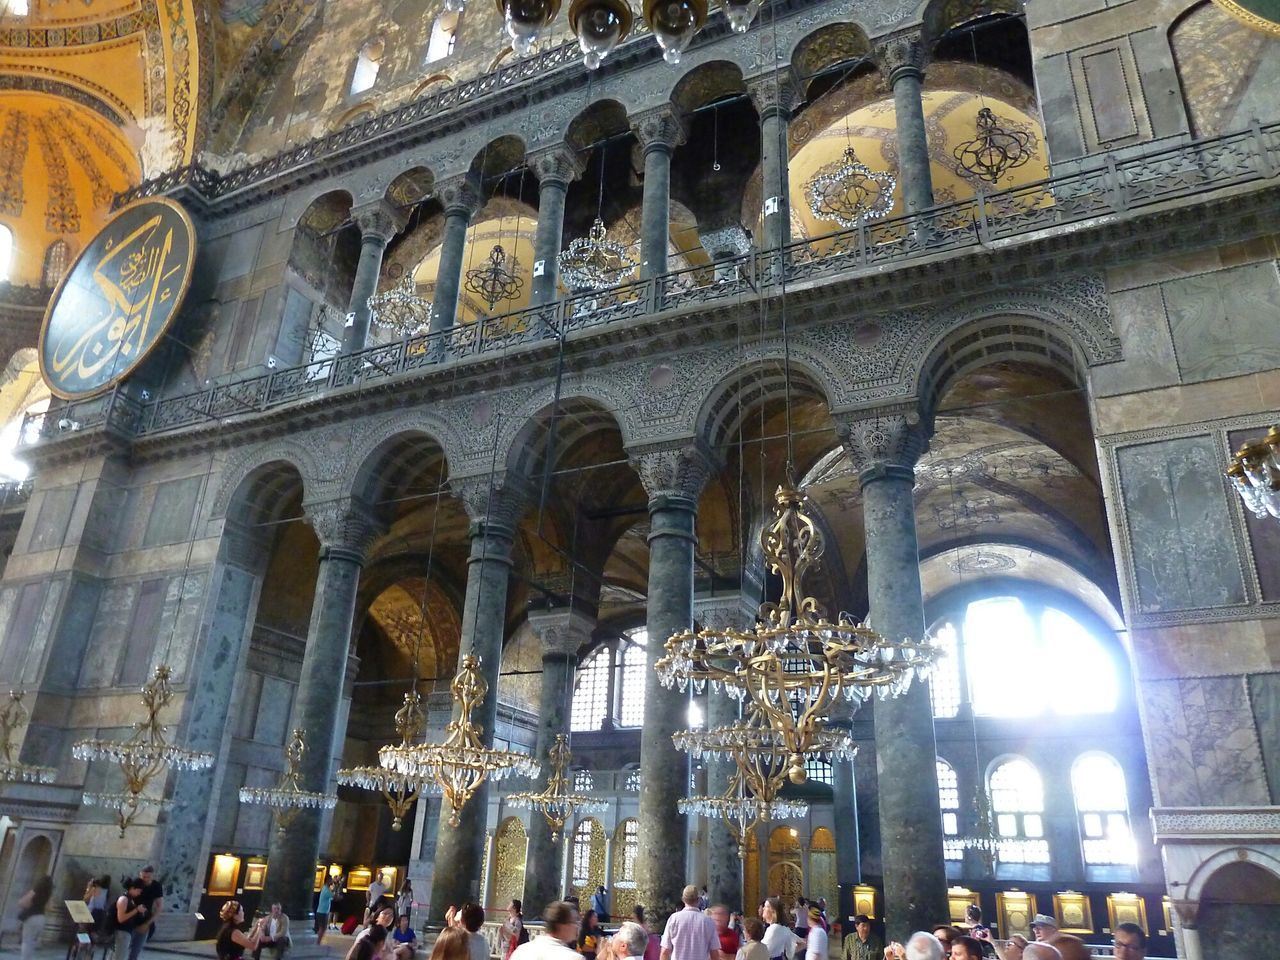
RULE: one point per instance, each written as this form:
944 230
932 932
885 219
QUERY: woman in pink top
654 950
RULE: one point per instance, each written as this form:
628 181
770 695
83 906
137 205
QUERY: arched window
631 702
819 770
949 801
1097 782
626 869
583 781
56 260
444 33
591 691
1017 802
17 8
944 679
588 853
367 64
6 252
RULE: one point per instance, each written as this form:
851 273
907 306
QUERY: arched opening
57 260
586 858
510 845
626 846
1240 910
444 35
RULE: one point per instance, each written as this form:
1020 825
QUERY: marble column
844 815
460 197
724 867
659 131
673 476
378 223
345 529
775 96
555 167
902 60
563 633
884 449
494 505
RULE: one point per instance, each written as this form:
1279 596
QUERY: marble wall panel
105 646
1225 323
1175 513
1143 328
20 629
274 707
1264 696
51 522
169 520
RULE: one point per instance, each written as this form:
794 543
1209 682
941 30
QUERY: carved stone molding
892 439
564 631
662 128
1215 824
775 94
726 242
730 611
560 163
905 54
678 469
345 526
460 195
493 500
379 219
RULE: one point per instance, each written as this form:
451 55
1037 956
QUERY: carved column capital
884 442
495 500
379 220
679 469
904 54
775 94
559 163
727 611
661 128
346 527
460 195
726 242
563 631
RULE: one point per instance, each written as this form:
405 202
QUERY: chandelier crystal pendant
496 281
13 718
525 20
555 801
599 25
594 262
145 755
399 790
400 309
847 191
462 762
1255 473
741 13
794 665
287 797
995 150
741 811
674 23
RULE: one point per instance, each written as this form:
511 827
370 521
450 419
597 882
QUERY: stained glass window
1017 803
1097 781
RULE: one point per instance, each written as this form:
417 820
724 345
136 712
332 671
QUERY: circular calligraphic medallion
118 299
1262 15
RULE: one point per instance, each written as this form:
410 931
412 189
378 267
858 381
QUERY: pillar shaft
844 812
903 62
775 96
659 131
555 168
461 199
378 223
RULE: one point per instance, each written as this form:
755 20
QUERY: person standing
729 940
862 944
152 897
31 914
376 891
404 900
512 933
690 934
324 906
816 946
753 948
802 917
561 919
590 935
600 904
95 898
273 933
130 915
778 938
472 918
630 942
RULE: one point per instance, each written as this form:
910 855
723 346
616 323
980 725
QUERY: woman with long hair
512 933
453 943
778 938
590 935
369 944
232 942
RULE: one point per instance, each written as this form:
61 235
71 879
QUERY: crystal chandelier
741 811
995 150
287 797
983 840
142 757
496 281
400 790
1255 474
594 262
400 309
794 665
555 801
462 762
12 719
847 191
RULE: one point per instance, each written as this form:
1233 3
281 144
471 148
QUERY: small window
444 34
944 679
56 260
631 783
591 692
818 770
1017 802
634 671
949 801
1097 781
367 64
6 252
16 8
583 781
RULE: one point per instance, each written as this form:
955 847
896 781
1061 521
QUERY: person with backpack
513 932
127 919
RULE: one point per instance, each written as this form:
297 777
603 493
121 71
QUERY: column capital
729 611
903 55
679 469
884 442
775 94
346 527
725 243
492 500
563 631
379 220
559 163
460 194
661 128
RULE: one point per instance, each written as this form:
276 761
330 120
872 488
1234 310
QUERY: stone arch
941 16
411 187
251 476
361 111
1206 871
828 46
598 121
1240 907
393 451
500 155
326 210
590 403
752 379
707 83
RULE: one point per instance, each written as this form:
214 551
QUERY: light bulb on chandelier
525 20
599 25
674 24
741 13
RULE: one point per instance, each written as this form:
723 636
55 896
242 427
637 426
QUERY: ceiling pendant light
847 191
994 150
599 25
741 13
674 24
525 20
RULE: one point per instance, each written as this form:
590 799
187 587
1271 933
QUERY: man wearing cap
1044 927
862 944
816 944
690 934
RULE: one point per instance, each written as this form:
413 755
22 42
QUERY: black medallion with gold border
116 303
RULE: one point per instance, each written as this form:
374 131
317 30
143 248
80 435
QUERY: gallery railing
1112 188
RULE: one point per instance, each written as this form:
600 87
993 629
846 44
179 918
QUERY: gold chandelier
742 809
1255 474
399 790
555 801
462 762
142 757
794 665
287 797
12 719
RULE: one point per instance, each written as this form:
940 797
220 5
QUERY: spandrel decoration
117 302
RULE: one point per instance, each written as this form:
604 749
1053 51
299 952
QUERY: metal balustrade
1112 188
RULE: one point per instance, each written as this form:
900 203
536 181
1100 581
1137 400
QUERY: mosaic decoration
822 866
13 154
180 70
71 35
102 190
95 136
588 857
1263 15
510 852
1218 59
61 215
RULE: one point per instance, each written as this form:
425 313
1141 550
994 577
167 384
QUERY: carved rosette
679 469
662 128
346 527
493 501
884 442
459 195
563 632
379 220
558 164
775 94
904 55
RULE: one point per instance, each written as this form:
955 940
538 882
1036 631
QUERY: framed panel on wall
223 875
864 901
1126 908
321 872
1014 913
255 876
359 878
958 900
390 876
1167 908
1072 912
